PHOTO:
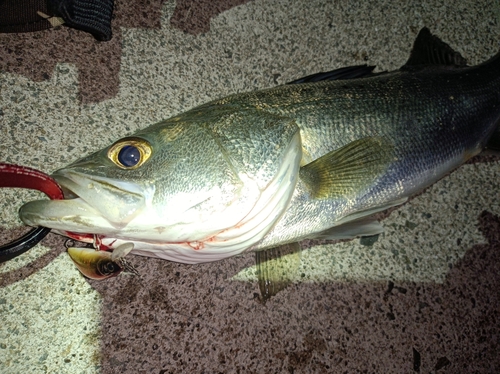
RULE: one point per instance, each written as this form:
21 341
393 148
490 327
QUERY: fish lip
117 201
67 215
92 204
73 183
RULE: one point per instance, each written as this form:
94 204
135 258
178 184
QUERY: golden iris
130 153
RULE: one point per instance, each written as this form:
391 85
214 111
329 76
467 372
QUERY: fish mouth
92 204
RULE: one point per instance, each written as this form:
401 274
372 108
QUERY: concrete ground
423 298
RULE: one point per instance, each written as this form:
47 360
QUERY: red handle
24 177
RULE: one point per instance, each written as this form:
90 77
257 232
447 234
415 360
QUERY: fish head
180 181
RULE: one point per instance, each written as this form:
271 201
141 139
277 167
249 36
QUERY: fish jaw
119 202
72 215
114 208
96 205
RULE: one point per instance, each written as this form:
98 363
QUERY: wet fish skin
436 118
261 169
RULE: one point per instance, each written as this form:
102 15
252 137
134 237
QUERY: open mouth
91 204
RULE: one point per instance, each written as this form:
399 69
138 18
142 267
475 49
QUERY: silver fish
259 170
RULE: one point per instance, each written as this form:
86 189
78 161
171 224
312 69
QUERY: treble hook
23 177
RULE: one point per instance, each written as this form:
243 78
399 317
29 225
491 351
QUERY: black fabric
21 15
93 16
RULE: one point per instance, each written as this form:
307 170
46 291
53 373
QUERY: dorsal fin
428 49
348 72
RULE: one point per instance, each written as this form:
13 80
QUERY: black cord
21 245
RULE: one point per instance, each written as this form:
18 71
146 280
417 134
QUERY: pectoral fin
347 171
276 268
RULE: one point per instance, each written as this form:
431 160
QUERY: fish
264 170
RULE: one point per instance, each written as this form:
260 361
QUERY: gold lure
102 264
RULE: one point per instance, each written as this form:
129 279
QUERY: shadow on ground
192 318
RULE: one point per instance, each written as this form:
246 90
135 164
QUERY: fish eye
130 153
129 156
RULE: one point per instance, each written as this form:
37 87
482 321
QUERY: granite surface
423 298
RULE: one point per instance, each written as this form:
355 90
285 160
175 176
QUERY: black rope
24 243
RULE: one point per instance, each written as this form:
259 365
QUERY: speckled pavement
424 298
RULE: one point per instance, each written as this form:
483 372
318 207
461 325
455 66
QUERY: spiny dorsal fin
428 49
347 171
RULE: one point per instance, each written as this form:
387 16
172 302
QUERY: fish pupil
129 156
